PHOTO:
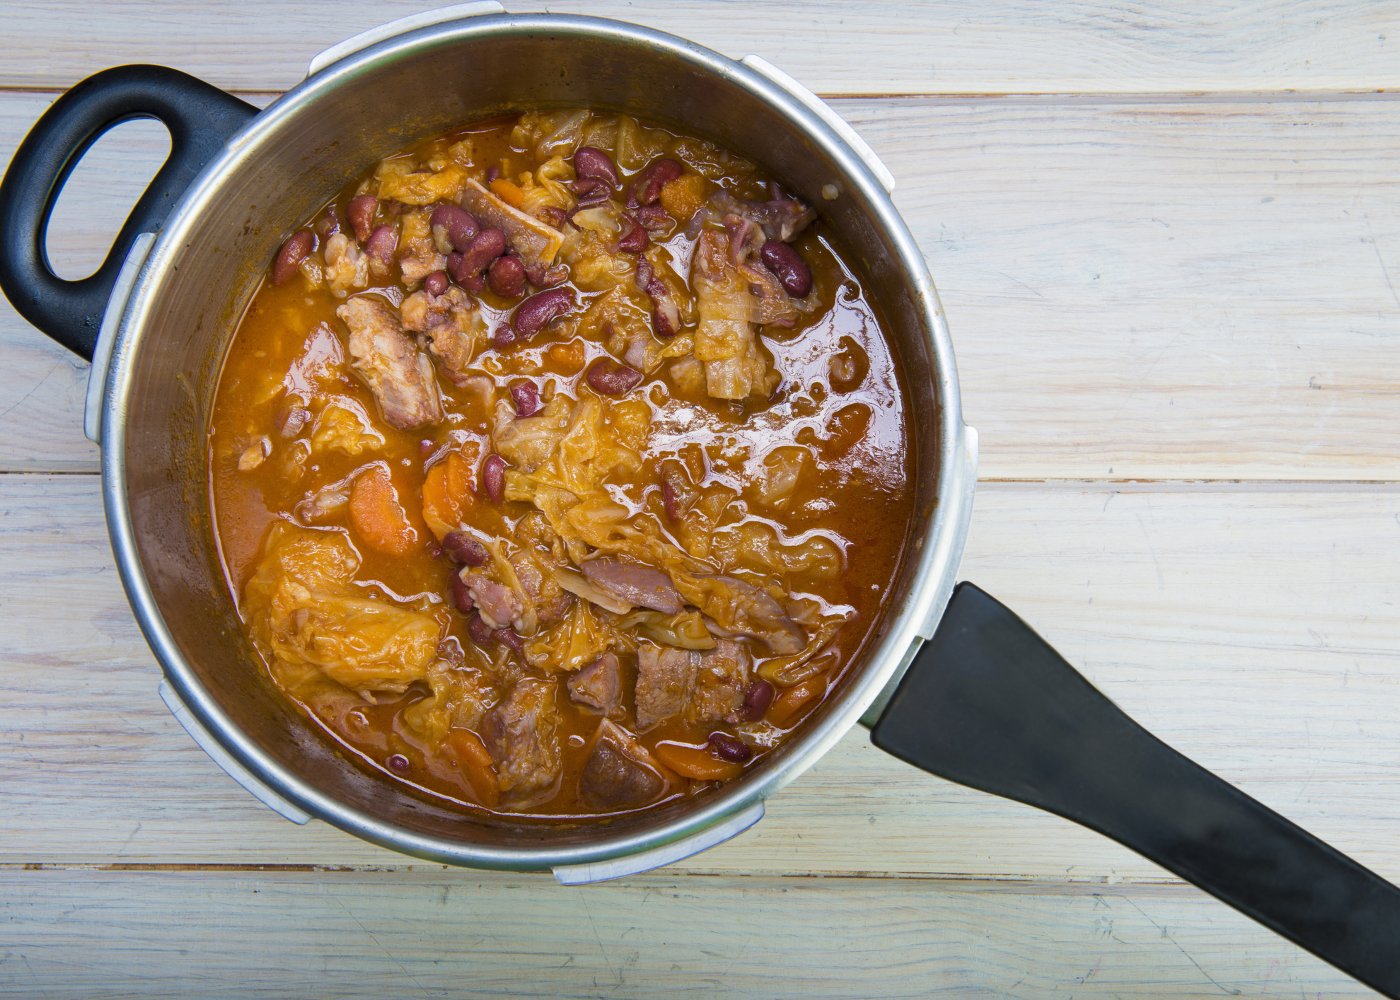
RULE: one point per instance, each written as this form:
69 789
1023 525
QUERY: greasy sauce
839 398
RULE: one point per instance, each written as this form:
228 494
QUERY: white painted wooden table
1168 239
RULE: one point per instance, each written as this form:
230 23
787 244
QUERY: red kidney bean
398 763
461 596
727 747
527 398
654 177
463 548
361 211
479 631
493 477
503 336
757 699
297 248
456 225
654 218
492 173
435 283
670 497
329 222
594 164
543 275
506 276
552 216
382 243
635 240
788 266
611 378
509 637
485 247
591 191
536 312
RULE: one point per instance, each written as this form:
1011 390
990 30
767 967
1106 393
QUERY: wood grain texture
883 47
1168 240
1255 632
438 934
1140 290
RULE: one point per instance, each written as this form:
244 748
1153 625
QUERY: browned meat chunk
399 375
451 325
537 242
498 605
725 341
754 612
779 218
722 681
618 774
638 585
665 680
599 685
551 602
521 734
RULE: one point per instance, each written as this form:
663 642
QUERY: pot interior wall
304 152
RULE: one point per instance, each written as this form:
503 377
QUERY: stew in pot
558 466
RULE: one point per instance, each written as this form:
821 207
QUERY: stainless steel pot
986 702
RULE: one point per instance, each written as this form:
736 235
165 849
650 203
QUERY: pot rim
937 550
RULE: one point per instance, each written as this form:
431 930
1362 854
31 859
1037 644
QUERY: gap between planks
1011 884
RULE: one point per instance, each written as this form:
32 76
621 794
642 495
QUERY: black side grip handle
989 704
200 117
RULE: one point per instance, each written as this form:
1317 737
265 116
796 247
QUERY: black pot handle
989 704
200 117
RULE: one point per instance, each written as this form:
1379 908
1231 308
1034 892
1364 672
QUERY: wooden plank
1137 290
357 934
1253 630
961 47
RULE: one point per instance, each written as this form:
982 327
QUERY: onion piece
578 585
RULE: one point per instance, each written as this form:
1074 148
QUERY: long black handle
988 703
200 117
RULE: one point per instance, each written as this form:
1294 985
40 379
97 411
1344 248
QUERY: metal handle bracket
225 760
823 111
635 864
369 37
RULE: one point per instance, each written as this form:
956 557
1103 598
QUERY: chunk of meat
347 266
780 218
451 325
725 340
418 255
665 680
722 681
399 375
636 584
745 609
619 773
534 571
521 734
599 685
498 605
537 242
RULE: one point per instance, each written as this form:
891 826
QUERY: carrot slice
685 196
477 766
448 494
696 762
787 705
376 514
508 191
